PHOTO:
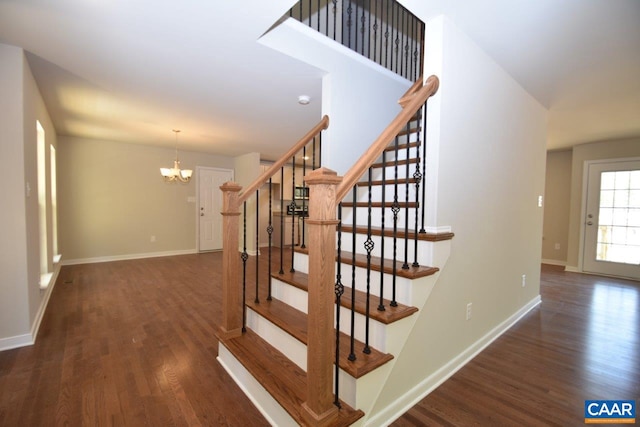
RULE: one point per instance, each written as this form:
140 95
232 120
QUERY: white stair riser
424 248
362 217
403 286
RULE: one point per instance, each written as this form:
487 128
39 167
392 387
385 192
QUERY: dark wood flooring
582 342
131 343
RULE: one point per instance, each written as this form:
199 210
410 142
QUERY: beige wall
22 302
581 153
112 200
557 201
489 155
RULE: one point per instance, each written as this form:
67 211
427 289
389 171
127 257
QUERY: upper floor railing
381 30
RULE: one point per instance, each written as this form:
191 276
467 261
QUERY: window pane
622 180
619 216
634 198
606 216
621 198
607 180
619 235
606 198
604 234
633 219
633 236
635 180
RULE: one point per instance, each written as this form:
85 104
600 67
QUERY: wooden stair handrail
411 102
264 177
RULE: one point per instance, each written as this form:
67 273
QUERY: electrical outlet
468 311
524 280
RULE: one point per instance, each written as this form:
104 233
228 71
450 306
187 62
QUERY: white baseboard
420 391
554 262
15 342
127 257
572 269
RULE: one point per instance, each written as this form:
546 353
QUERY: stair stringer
398 340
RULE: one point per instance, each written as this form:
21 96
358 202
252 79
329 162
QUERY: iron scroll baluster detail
368 246
352 354
257 300
269 233
339 291
244 256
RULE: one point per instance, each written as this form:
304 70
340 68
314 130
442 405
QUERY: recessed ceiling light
304 99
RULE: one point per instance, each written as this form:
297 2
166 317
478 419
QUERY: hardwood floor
582 342
132 343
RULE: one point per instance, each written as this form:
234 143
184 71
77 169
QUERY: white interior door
210 206
612 222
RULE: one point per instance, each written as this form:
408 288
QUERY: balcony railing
381 30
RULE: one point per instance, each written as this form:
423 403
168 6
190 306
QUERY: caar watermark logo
610 411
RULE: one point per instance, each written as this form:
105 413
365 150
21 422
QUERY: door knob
201 213
589 223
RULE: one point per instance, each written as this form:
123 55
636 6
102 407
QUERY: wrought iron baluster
424 163
417 176
386 37
384 208
282 213
245 257
349 10
257 300
395 209
352 354
304 200
335 19
269 233
339 290
293 211
405 265
368 246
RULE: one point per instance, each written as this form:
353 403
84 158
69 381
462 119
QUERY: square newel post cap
322 176
231 186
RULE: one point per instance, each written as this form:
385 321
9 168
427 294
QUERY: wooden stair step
401 147
388 232
294 322
282 378
409 131
387 205
391 163
361 261
389 315
399 181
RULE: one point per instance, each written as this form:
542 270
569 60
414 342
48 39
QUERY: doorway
612 219
209 207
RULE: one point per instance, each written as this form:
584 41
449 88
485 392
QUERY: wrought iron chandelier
175 173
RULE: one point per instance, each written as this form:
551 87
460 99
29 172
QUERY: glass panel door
612 225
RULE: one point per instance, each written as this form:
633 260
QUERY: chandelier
175 173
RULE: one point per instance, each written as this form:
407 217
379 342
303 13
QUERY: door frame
583 205
197 204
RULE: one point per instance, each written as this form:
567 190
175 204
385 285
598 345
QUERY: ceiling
131 71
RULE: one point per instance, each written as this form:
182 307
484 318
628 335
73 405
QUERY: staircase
282 347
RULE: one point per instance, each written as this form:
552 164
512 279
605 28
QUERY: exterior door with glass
612 222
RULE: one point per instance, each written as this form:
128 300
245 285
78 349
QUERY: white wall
22 302
112 199
359 96
486 139
557 194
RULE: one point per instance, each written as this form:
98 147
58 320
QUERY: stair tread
391 163
282 378
361 261
294 322
388 232
389 315
387 205
402 146
387 182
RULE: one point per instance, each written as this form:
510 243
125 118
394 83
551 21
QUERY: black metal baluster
304 199
368 246
245 257
282 214
406 43
384 208
257 300
395 209
293 211
335 19
339 290
424 162
386 38
417 175
352 354
375 33
349 10
369 34
405 265
270 232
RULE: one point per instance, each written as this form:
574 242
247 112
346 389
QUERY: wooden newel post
319 409
231 290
